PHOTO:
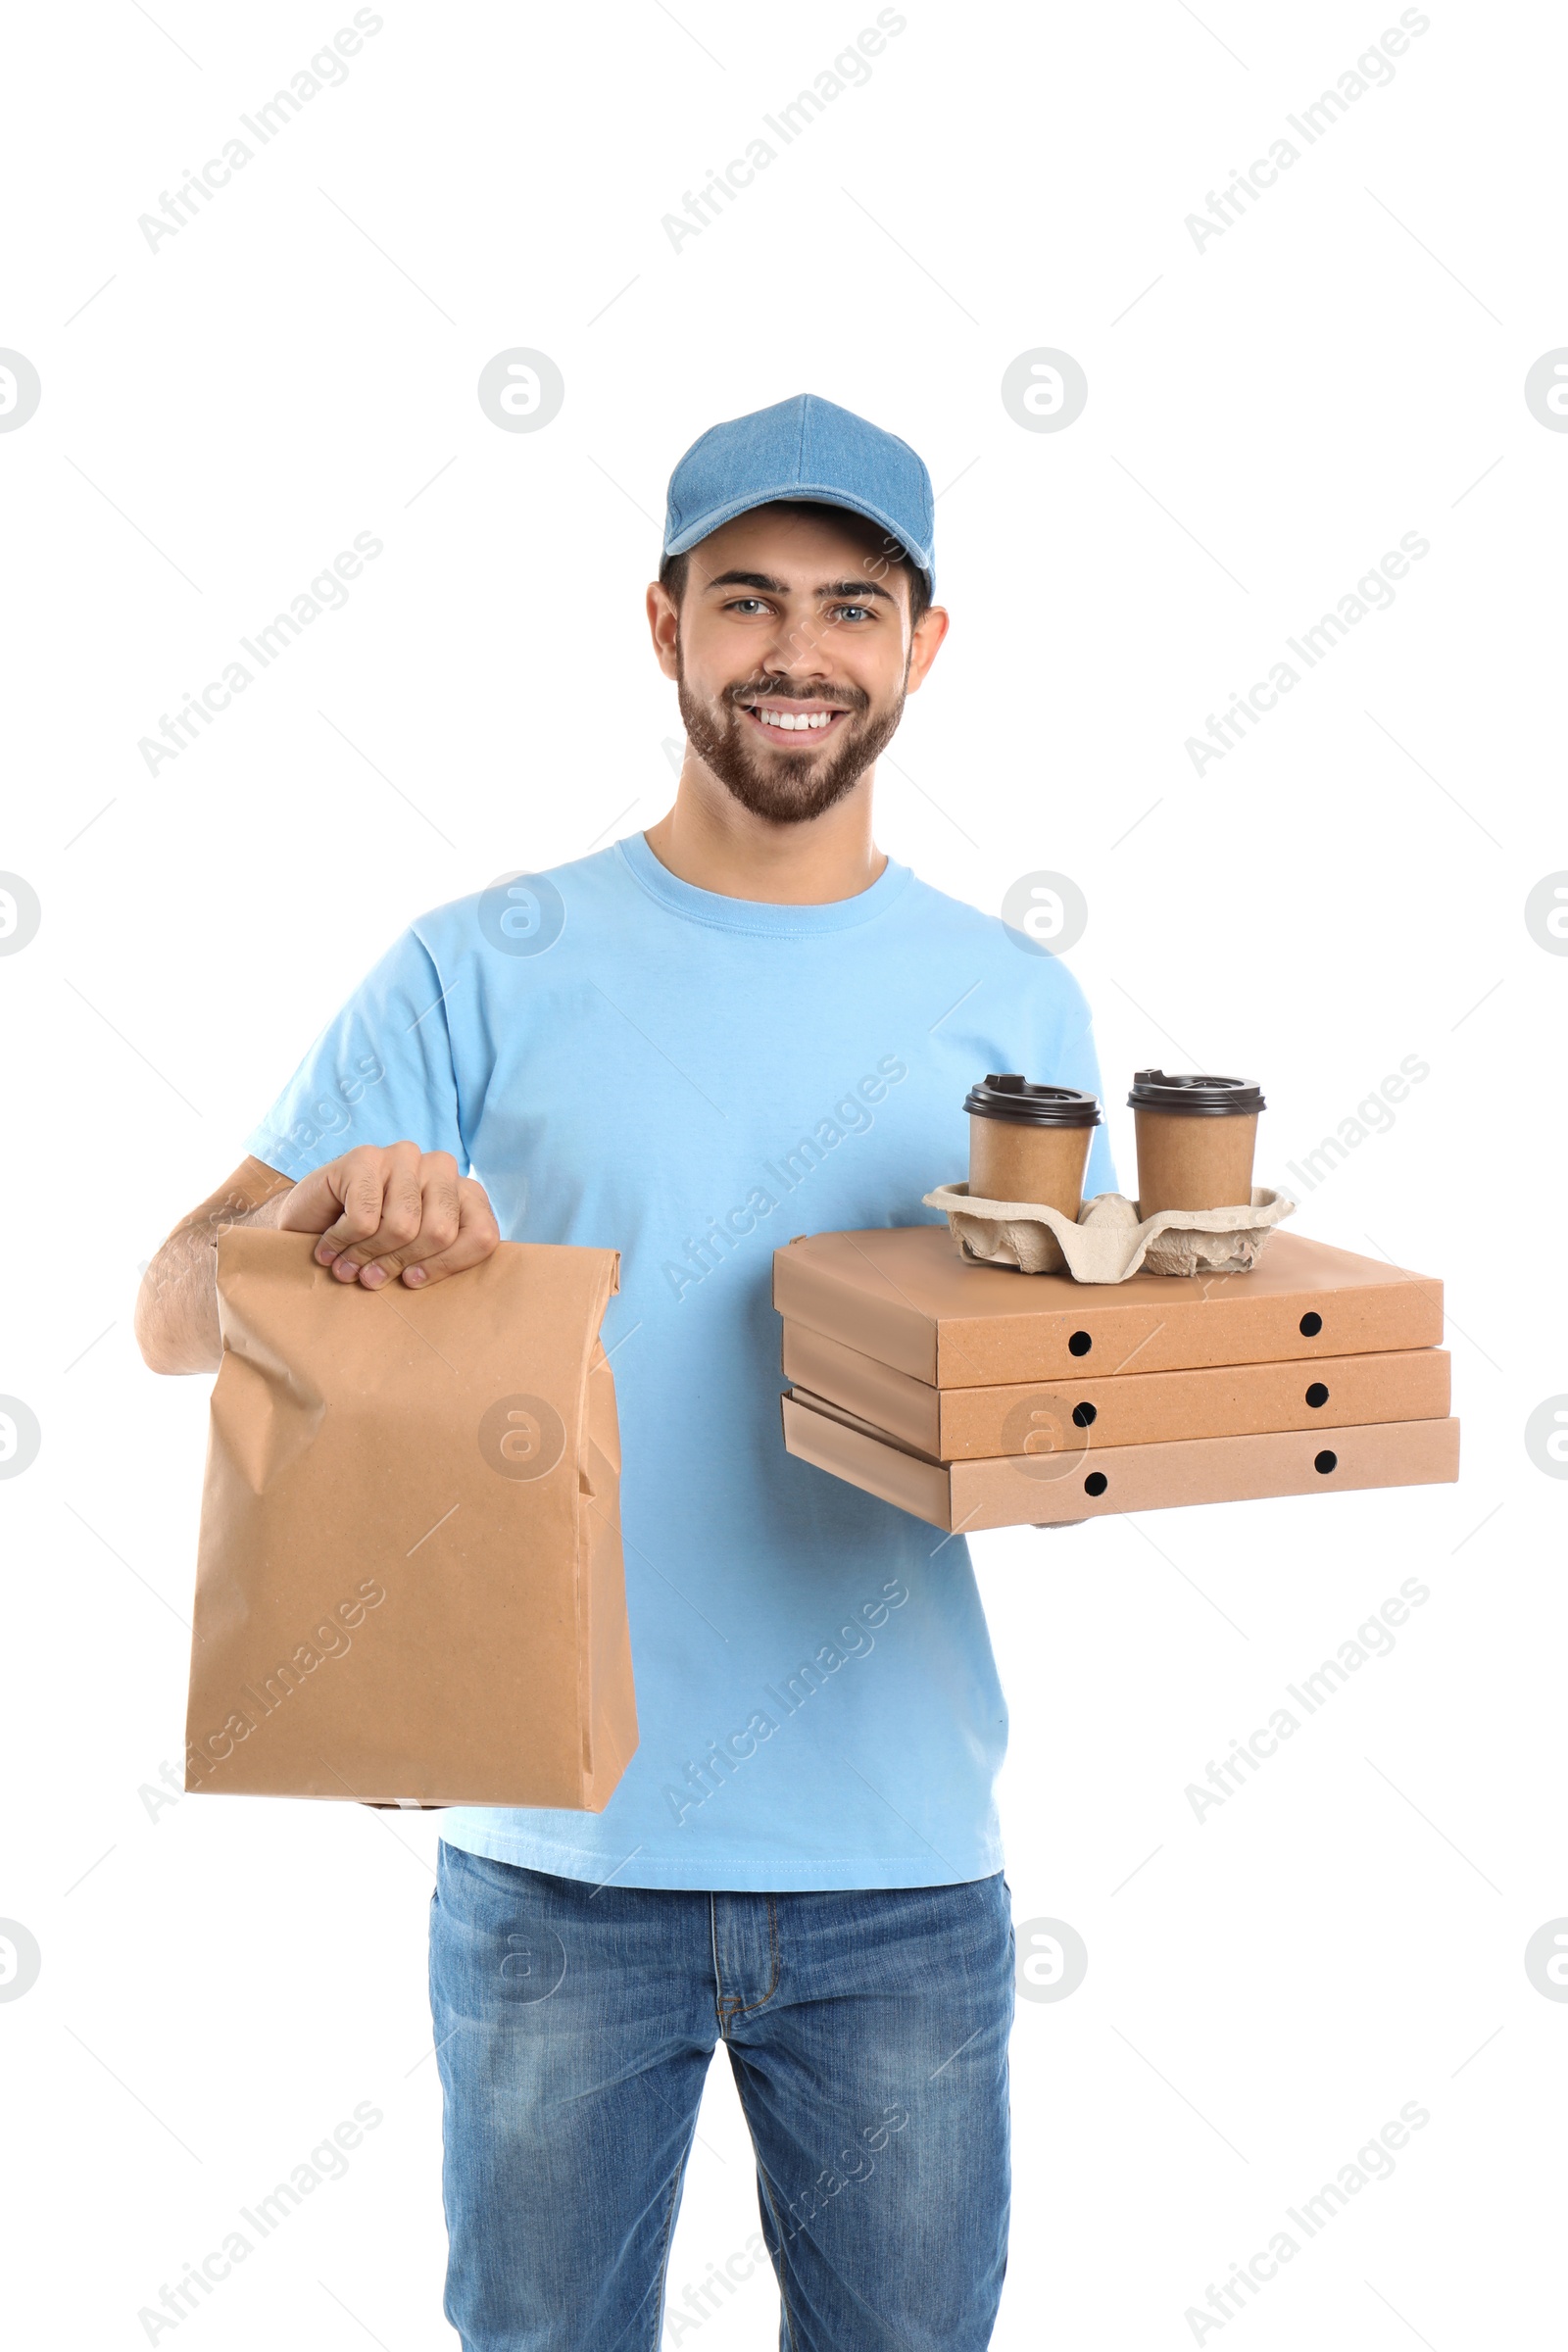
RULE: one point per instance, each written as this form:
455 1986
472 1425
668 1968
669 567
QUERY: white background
222 1982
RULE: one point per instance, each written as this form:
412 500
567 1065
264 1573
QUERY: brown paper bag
410 1586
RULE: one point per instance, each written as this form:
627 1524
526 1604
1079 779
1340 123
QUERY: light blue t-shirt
631 1063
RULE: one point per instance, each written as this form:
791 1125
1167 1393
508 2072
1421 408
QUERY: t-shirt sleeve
380 1073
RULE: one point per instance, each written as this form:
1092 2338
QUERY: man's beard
786 789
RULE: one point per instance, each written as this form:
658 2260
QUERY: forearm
176 1306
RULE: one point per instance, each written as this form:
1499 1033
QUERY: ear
924 640
663 624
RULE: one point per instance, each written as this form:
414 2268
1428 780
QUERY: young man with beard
743 1024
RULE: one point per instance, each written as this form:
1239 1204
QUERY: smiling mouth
795 723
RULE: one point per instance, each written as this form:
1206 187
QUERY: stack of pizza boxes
977 1397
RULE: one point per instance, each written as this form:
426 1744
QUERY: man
744 1024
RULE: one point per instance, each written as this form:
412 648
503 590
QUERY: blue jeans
867 2034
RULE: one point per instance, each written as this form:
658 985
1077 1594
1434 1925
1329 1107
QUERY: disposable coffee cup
1029 1143
1196 1138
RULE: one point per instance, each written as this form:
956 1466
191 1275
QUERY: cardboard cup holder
1109 1240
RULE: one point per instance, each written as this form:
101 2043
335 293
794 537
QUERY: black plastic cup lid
1210 1097
1010 1097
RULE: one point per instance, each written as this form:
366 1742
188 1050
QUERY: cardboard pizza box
903 1295
1133 1409
1025 1491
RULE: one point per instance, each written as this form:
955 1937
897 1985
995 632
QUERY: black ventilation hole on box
1324 1462
1317 1394
1312 1325
1080 1344
1095 1482
1082 1414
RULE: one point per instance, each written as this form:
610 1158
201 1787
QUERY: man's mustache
836 698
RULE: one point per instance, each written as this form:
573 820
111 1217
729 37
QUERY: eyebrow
860 590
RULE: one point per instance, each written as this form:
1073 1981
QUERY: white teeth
793 721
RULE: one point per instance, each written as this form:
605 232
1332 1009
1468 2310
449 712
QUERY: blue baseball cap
803 448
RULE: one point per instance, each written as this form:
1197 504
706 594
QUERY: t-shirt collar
761 917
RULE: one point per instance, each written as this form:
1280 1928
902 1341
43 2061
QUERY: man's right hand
380 1211
385 1209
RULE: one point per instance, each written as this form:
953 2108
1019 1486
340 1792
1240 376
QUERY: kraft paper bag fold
410 1586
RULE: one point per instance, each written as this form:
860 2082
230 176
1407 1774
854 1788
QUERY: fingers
435 1221
433 1215
379 1191
478 1235
385 1210
315 1204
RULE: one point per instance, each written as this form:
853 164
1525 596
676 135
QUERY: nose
798 649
